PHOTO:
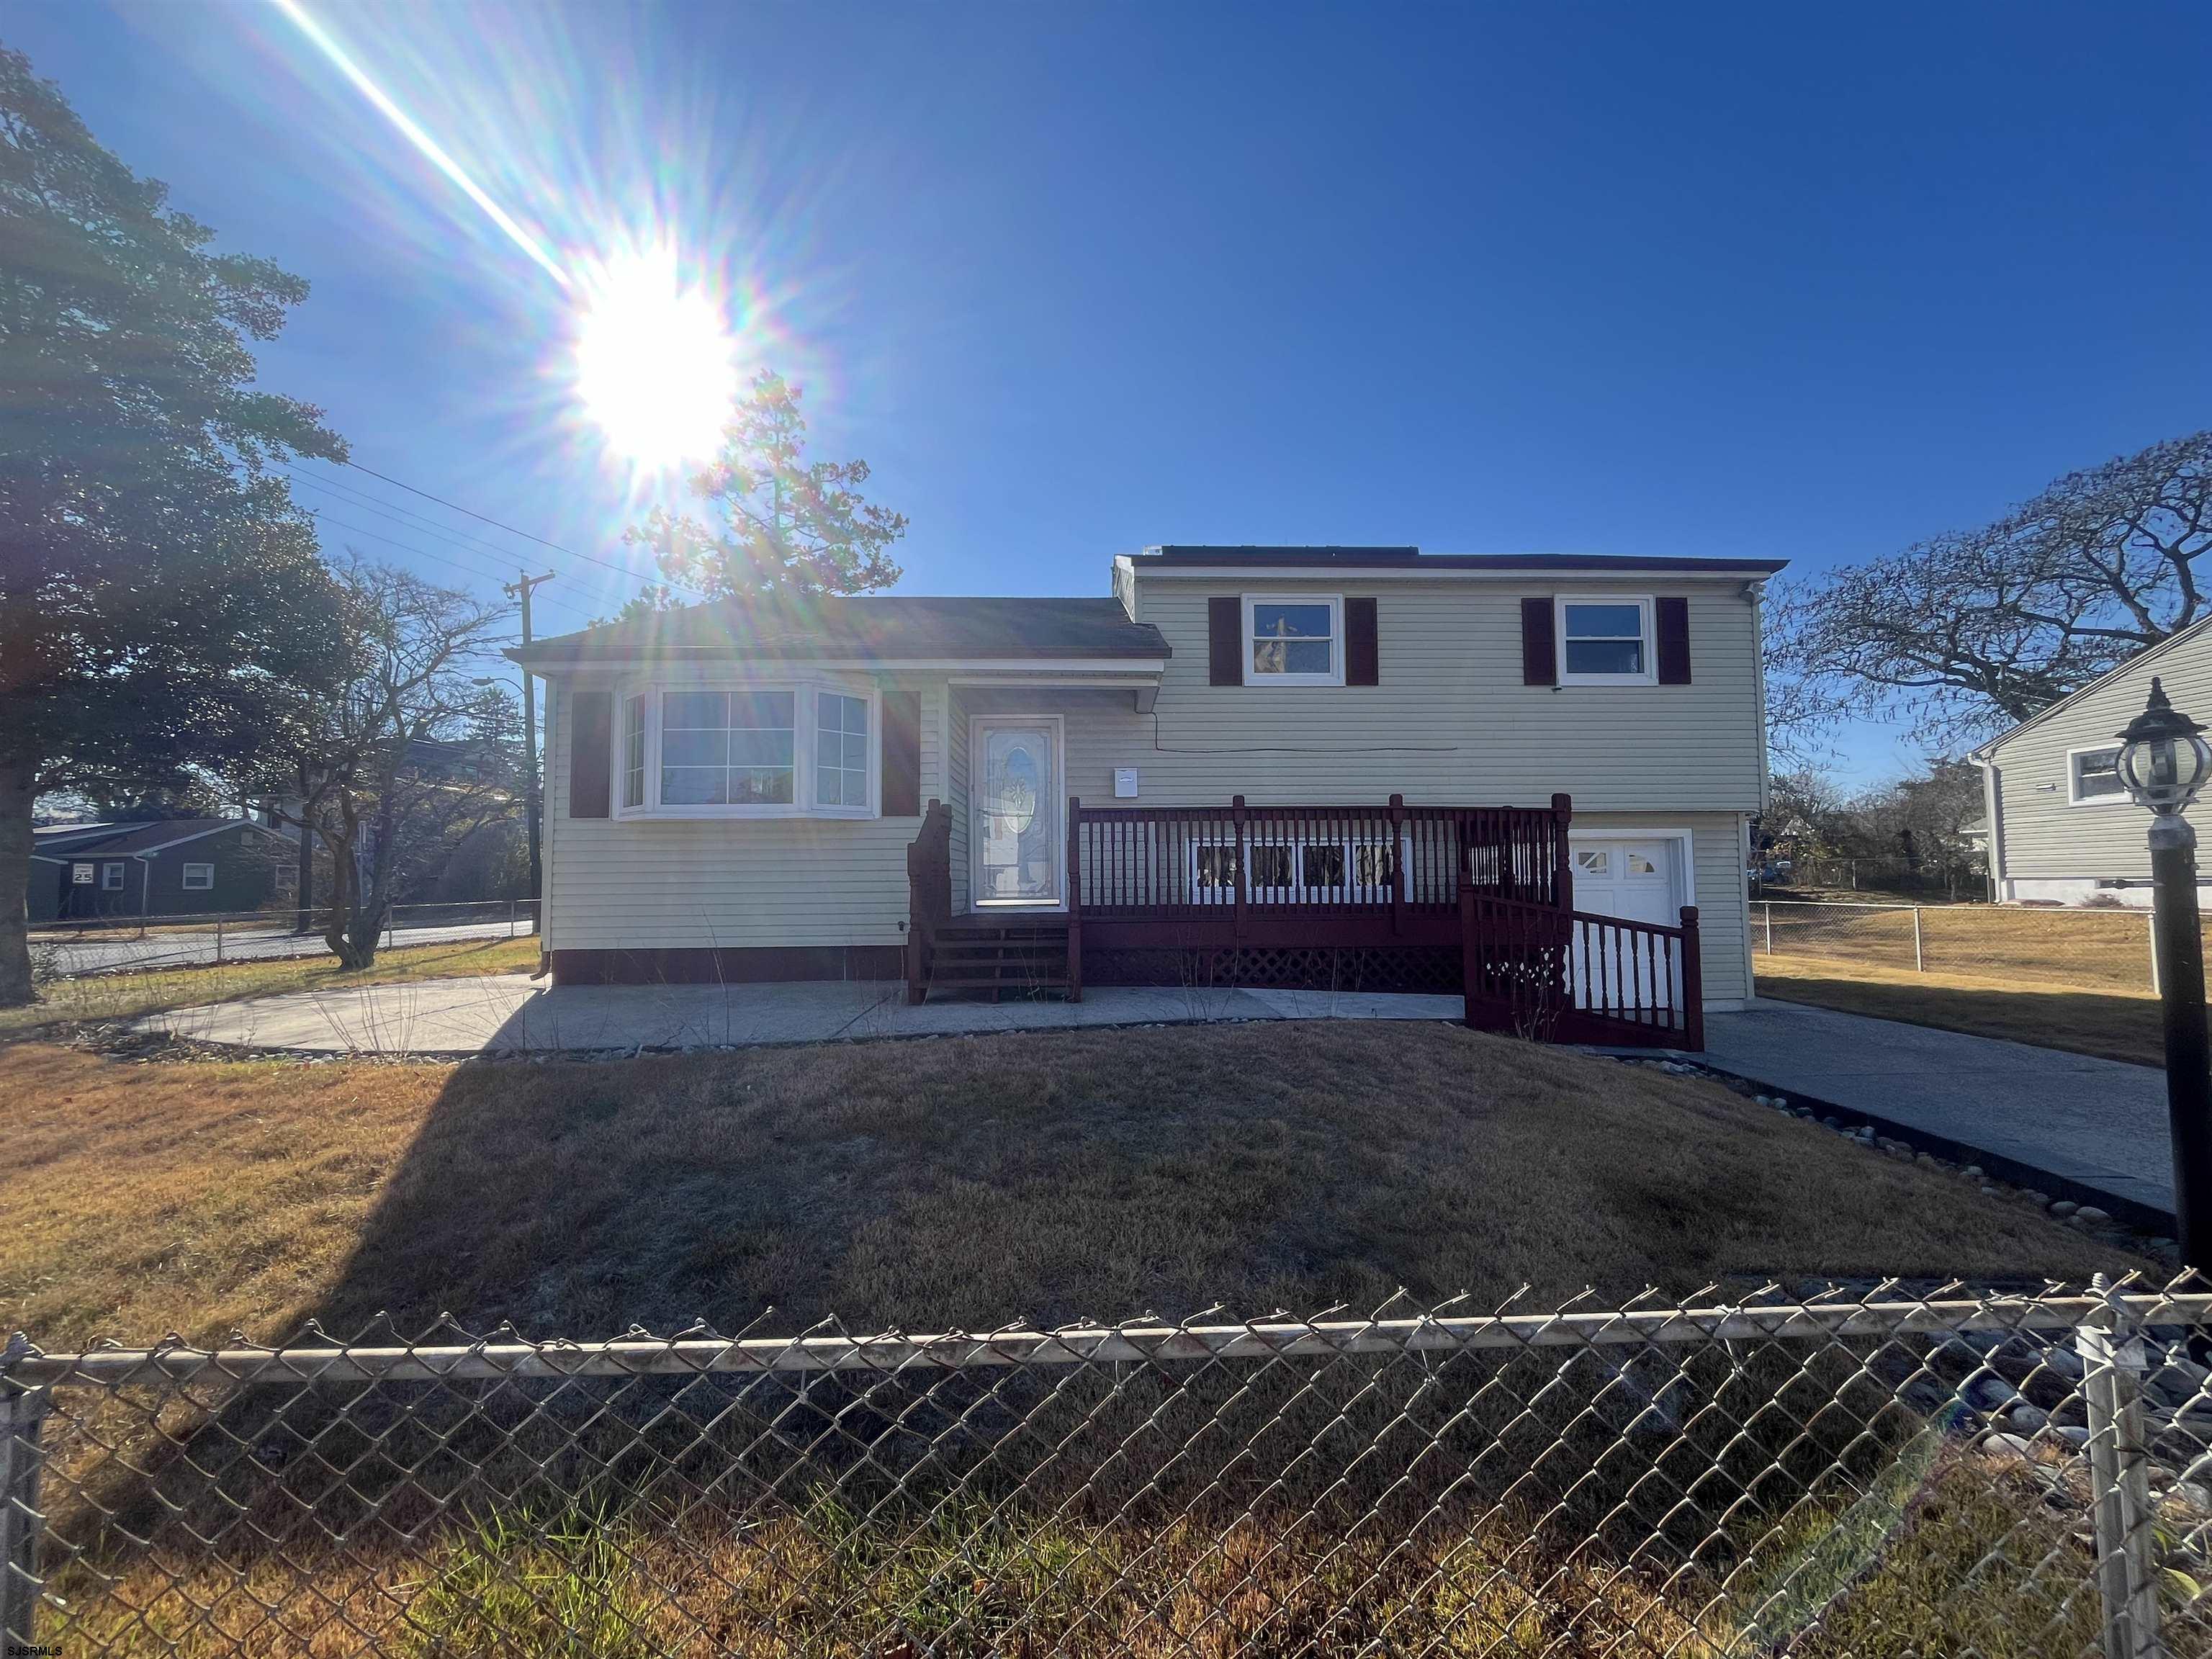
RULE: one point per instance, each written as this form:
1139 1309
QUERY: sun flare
654 361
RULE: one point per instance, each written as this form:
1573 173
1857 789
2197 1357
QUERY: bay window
750 749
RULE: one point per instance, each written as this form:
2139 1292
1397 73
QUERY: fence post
2157 987
218 939
1919 966
21 1412
1768 904
2127 1585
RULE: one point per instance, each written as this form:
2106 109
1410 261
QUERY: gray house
1281 765
171 867
2062 829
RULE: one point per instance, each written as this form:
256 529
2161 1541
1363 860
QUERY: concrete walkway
508 1014
2098 1123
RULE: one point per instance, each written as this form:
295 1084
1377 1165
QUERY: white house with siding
2062 829
1283 762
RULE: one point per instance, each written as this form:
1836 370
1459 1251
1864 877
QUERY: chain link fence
128 944
2073 949
1864 1473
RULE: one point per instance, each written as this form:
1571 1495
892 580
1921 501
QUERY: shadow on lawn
2108 1026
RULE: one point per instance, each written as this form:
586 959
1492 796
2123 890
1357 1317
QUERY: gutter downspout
1992 803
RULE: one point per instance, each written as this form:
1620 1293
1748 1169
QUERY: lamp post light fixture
2164 762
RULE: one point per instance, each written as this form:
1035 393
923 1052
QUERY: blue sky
1633 279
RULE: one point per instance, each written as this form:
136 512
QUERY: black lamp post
2164 762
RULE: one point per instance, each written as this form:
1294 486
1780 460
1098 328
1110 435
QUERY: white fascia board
772 667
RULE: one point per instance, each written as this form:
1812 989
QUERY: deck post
1562 866
1397 864
1236 806
1470 966
1693 984
1074 899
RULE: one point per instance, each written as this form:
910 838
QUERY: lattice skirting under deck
1299 968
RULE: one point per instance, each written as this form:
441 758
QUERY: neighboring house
2062 829
738 790
177 866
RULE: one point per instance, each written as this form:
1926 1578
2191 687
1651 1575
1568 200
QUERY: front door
1016 766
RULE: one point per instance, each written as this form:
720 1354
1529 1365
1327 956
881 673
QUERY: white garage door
1638 879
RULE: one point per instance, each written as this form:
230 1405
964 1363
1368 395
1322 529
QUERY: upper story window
1294 641
1606 640
749 751
2093 776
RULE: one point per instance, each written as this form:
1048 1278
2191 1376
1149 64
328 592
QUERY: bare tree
411 748
1965 635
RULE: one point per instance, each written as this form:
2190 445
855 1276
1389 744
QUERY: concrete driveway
508 1014
2098 1123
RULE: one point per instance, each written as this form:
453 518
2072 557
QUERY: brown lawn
2115 1024
962 1181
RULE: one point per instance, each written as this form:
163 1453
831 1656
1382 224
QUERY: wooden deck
1472 900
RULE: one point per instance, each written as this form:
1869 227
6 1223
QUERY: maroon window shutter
1540 649
1224 641
902 779
590 757
1672 622
1363 651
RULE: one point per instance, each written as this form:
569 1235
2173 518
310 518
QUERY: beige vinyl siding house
2061 830
1116 701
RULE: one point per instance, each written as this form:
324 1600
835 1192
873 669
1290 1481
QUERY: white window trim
805 734
2118 798
111 867
191 886
1336 603
1642 602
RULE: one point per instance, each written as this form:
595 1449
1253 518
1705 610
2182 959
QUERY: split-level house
1524 778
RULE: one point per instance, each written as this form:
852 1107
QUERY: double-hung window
2093 776
110 878
200 878
1605 641
1294 640
633 763
750 749
840 750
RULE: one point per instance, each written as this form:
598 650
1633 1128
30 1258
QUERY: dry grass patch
2111 1025
93 997
954 1181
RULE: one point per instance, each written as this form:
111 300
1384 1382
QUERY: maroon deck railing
1210 864
928 894
1492 882
1572 976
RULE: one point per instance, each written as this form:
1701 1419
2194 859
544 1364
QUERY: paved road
2095 1121
123 954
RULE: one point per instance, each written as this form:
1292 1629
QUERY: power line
497 524
419 523
323 516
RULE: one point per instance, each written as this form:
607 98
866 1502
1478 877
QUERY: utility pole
520 589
